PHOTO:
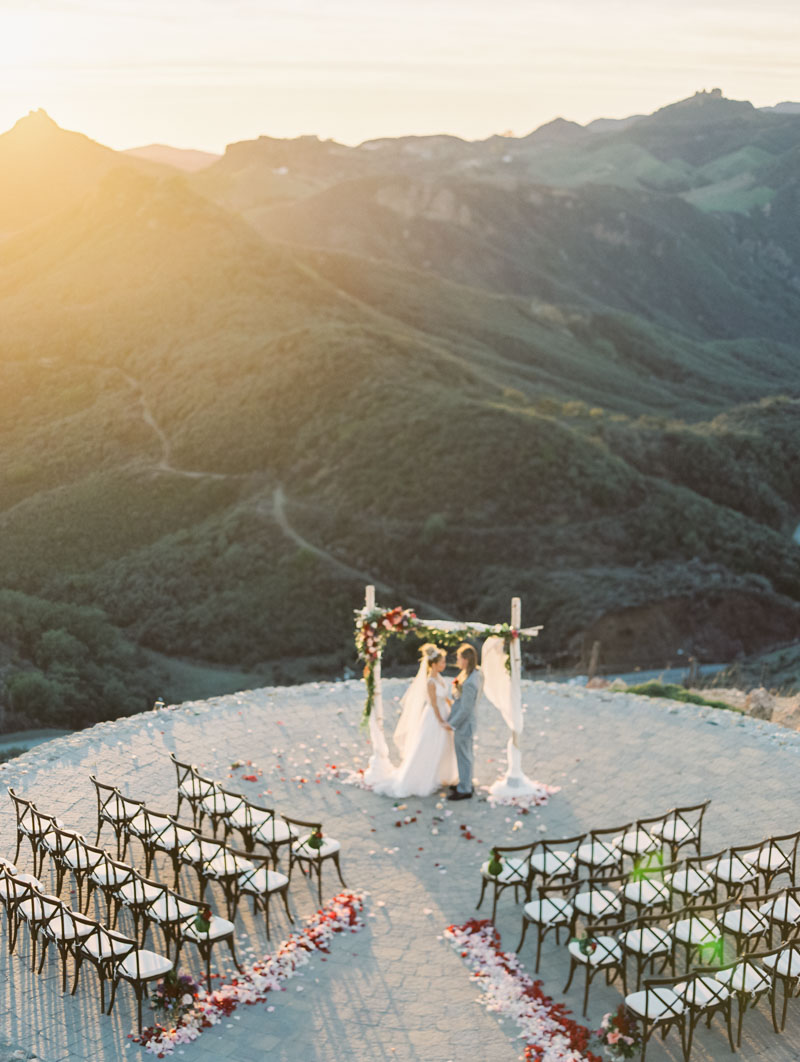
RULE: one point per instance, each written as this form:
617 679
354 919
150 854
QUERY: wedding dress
429 758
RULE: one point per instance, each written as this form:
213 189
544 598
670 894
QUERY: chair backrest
702 991
24 811
651 867
559 854
109 943
602 941
190 781
516 860
777 855
44 830
662 994
109 802
606 835
688 822
735 856
14 888
221 801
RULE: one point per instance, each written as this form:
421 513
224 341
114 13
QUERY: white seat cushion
703 991
275 832
636 842
734 871
645 893
143 965
108 874
35 908
513 870
606 953
786 962
695 931
597 854
744 921
647 941
168 908
78 857
769 859
554 864
138 892
218 927
66 928
598 903
782 909
656 1005
329 846
262 881
674 831
745 977
104 947
691 882
12 889
226 866
549 912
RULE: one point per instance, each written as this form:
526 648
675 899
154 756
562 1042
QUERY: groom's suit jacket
462 714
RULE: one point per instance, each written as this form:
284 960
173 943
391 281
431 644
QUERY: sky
204 73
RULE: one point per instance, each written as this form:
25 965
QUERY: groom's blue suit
462 720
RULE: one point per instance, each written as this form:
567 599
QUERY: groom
466 690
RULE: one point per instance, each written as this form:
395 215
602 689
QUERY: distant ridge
186 159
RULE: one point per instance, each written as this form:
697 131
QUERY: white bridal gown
429 758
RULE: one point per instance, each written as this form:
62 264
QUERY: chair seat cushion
734 871
108 874
554 864
549 912
744 921
598 903
66 928
695 931
646 893
648 941
142 965
786 962
702 991
136 893
636 842
261 881
77 857
745 977
691 882
674 831
659 1004
607 953
168 908
329 846
514 871
106 947
274 831
249 816
782 909
599 854
218 927
226 865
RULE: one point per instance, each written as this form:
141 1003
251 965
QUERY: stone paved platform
396 992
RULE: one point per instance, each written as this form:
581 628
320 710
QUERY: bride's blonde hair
431 653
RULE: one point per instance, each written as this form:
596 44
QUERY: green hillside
458 388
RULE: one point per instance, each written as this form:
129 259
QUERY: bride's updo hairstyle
431 653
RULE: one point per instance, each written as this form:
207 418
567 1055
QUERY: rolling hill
224 416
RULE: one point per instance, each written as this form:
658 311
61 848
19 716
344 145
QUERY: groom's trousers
464 743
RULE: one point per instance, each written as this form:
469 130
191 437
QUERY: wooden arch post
515 782
380 765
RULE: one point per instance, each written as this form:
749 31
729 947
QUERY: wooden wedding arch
375 625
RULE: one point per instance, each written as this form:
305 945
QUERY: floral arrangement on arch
619 1034
374 626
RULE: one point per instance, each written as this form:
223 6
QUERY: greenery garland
374 626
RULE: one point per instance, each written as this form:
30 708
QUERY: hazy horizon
205 75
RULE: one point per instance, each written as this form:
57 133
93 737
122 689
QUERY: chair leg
524 931
232 946
285 895
586 989
538 948
480 900
338 868
572 965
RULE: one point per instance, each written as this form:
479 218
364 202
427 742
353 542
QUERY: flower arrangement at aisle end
619 1034
173 998
373 627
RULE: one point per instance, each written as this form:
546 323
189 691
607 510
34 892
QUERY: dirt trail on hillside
279 513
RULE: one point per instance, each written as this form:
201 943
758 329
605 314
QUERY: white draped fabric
497 683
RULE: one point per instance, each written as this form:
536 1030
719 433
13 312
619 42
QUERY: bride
423 736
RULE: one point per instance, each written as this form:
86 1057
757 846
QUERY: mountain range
564 365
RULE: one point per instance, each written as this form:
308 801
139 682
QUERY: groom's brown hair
467 651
